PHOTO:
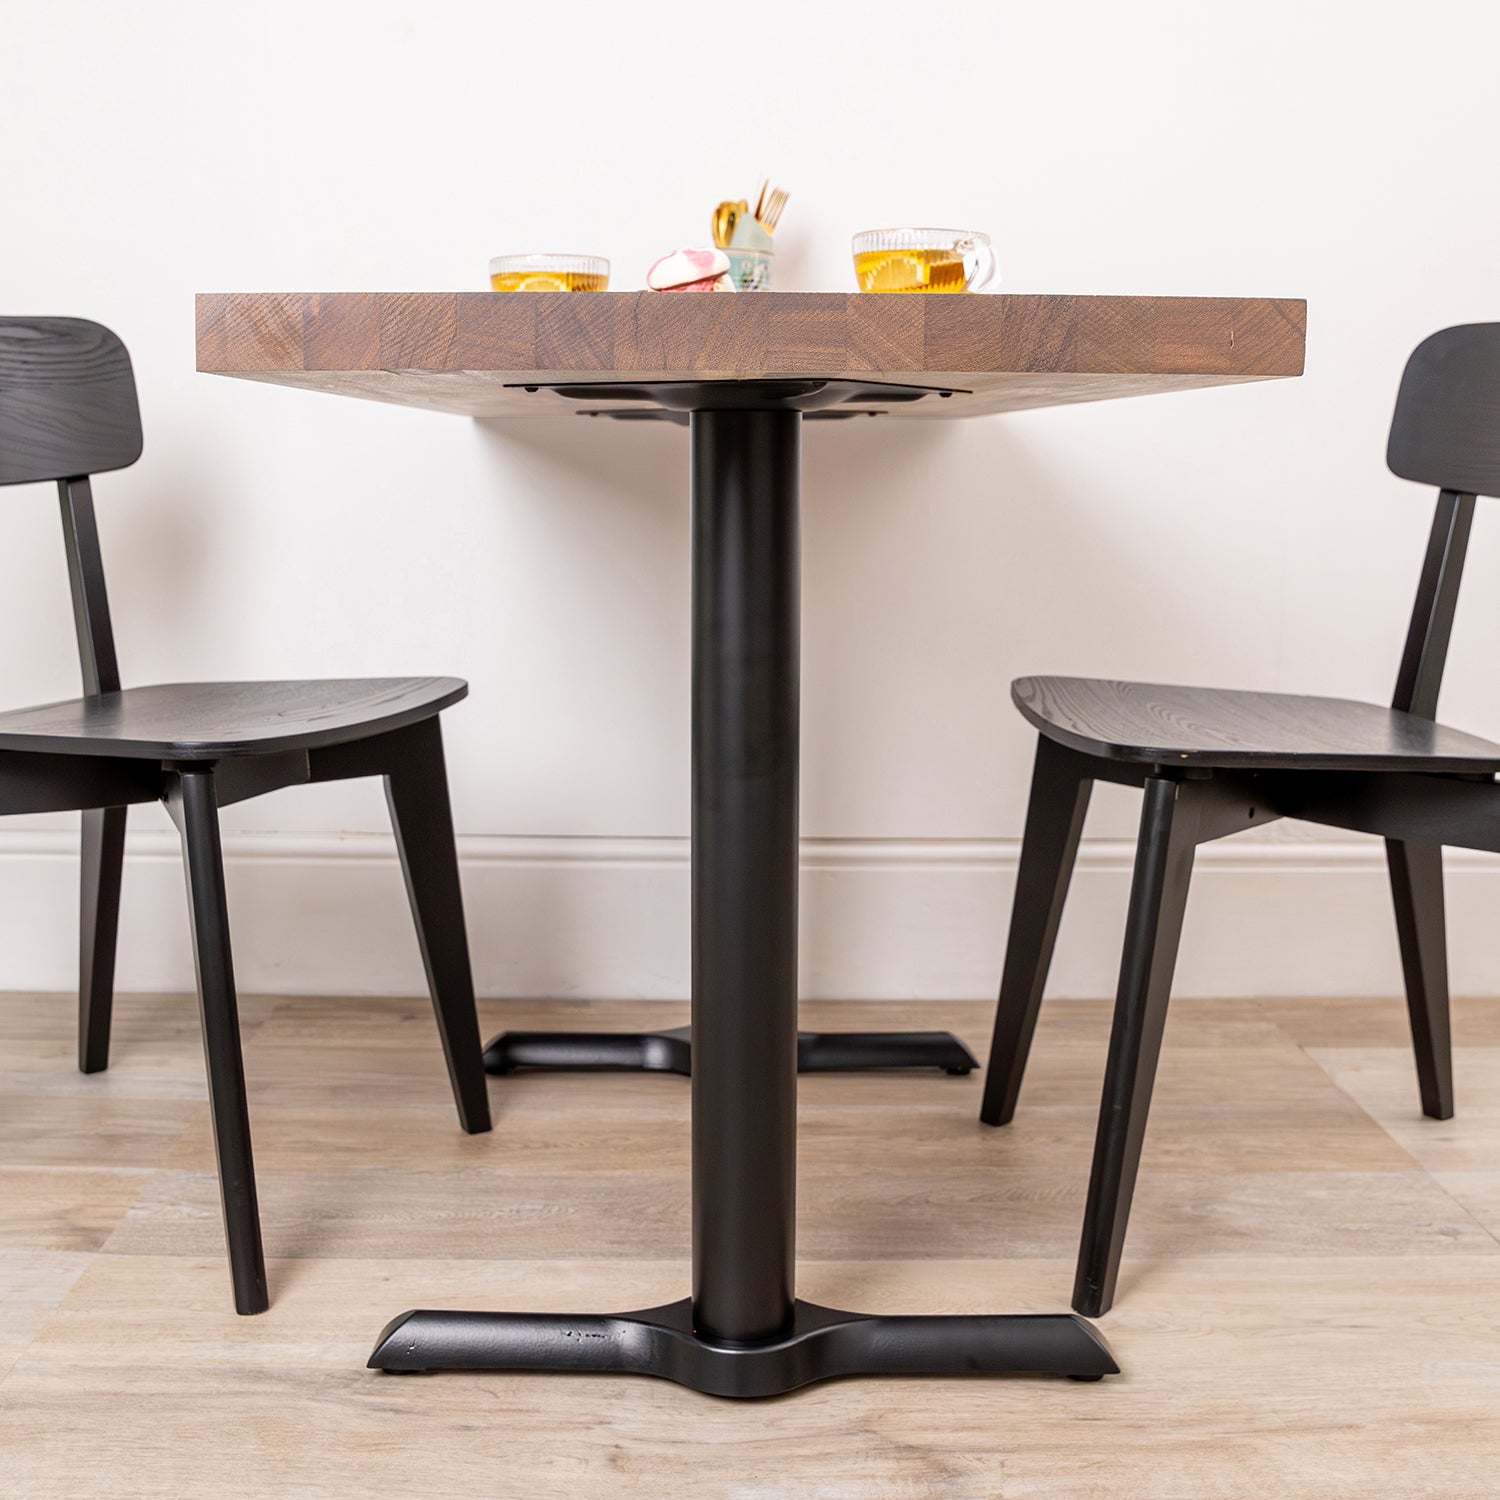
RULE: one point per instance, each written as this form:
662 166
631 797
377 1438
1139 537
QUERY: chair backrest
68 410
67 400
1446 431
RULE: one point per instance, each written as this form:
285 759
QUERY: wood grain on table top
458 351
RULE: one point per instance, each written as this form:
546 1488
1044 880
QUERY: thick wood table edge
472 352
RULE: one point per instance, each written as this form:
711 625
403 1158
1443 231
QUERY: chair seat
1170 725
214 720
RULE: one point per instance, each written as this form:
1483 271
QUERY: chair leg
99 920
1158 895
194 807
416 790
1054 822
1417 891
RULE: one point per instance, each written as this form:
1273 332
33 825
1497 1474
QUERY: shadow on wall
591 542
592 523
161 543
959 517
155 541
940 560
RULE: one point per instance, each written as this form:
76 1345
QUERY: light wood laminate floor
1310 1304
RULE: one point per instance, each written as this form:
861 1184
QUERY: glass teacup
549 273
925 260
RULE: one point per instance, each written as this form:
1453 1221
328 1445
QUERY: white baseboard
608 917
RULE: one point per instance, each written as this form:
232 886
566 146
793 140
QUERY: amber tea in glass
549 273
911 271
924 260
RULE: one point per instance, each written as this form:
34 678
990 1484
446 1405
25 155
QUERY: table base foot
672 1051
822 1344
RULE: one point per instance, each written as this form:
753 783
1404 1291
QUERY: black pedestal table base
743 1332
672 1051
821 1344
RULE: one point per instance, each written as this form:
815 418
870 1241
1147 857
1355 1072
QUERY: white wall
1250 535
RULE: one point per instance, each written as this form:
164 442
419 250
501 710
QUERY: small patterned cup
750 270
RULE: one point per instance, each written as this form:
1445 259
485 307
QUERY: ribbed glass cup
925 260
549 273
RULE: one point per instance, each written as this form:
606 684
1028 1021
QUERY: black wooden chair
68 410
1214 762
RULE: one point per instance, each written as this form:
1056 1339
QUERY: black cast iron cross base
743 1332
672 1051
821 1343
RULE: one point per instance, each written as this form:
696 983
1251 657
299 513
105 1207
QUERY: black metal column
745 723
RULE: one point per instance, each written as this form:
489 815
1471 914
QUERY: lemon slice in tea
549 273
893 272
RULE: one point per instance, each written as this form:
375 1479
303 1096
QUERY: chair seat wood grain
1163 724
216 720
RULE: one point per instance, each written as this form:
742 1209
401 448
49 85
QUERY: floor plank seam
1493 1234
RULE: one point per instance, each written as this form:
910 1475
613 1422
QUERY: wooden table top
474 352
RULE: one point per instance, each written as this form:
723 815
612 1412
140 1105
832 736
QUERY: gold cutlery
768 206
